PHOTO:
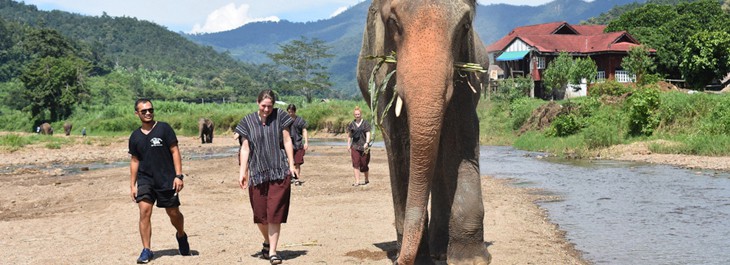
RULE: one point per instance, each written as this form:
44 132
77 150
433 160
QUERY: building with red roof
527 50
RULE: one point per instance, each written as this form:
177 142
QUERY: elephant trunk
424 80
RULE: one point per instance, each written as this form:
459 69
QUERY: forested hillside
343 33
125 41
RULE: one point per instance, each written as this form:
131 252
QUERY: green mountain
343 33
127 42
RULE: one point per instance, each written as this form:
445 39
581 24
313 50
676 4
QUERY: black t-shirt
155 159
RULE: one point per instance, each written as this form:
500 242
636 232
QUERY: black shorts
165 198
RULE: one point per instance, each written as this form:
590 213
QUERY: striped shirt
267 158
297 132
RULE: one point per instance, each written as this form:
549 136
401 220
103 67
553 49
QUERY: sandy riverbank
50 217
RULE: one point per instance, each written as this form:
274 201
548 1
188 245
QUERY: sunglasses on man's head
145 111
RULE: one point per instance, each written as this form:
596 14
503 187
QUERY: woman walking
358 139
266 169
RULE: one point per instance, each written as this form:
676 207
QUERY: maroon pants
299 156
270 201
360 160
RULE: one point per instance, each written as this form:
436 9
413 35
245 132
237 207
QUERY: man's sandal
275 259
264 251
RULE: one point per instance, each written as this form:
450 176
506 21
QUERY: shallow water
627 213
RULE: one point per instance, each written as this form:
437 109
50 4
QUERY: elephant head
67 128
205 130
428 37
46 129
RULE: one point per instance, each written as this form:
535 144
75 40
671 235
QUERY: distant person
156 175
300 141
83 132
38 129
358 139
266 169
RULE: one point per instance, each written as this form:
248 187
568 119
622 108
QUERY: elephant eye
394 25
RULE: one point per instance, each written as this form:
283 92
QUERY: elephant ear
372 43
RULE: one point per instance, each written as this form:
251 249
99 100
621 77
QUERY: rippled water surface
628 213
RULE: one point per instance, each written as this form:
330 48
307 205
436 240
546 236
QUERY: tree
302 59
557 73
706 57
638 63
565 70
667 28
55 85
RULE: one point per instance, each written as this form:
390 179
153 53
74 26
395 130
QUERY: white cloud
228 17
339 11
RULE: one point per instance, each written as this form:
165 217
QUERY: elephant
205 130
432 134
67 128
46 129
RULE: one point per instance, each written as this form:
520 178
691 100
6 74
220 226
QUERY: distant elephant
205 130
433 145
46 129
67 128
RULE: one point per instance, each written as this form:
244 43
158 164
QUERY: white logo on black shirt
156 142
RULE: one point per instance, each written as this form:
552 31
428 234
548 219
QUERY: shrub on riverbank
694 124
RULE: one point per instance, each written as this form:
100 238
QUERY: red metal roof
560 36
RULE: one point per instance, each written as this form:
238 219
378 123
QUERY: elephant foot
420 260
473 254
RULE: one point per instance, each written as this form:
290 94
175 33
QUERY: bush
609 88
718 120
521 110
511 89
564 125
642 108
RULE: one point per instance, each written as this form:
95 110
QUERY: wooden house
526 51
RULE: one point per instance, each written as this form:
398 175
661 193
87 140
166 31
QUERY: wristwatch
181 176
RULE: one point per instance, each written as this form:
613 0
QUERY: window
540 62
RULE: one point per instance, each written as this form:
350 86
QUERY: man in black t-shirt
156 175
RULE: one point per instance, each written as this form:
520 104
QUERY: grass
13 142
699 124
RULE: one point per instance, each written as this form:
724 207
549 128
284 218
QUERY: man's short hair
141 100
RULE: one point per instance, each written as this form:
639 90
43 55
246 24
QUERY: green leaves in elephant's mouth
376 90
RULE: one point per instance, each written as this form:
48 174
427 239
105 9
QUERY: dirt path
50 217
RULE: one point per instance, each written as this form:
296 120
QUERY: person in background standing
156 175
300 141
358 143
266 169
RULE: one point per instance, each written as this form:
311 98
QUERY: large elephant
67 128
46 129
205 130
432 141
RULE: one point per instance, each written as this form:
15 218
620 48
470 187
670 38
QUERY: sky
203 16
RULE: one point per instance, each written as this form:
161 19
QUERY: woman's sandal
265 251
275 259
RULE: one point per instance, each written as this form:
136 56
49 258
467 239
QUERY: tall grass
13 142
118 119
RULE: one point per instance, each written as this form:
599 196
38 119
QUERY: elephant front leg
466 225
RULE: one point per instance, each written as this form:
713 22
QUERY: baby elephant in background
46 129
205 130
67 128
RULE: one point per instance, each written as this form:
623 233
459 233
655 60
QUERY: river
624 212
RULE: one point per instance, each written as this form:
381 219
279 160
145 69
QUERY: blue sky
196 16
